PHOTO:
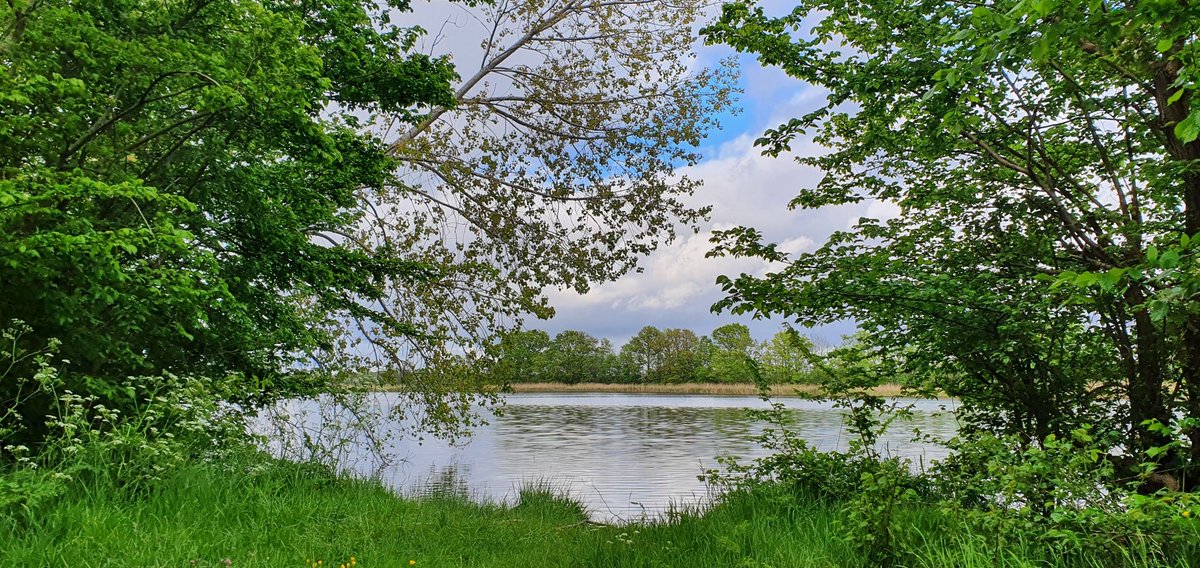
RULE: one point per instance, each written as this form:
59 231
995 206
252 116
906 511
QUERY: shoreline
726 389
708 389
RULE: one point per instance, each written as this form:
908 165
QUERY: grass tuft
550 504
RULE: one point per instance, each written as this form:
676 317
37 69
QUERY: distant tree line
728 355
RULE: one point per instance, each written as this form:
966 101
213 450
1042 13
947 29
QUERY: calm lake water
625 456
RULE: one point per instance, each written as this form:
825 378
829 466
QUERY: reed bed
715 389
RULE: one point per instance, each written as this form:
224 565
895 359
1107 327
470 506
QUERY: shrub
168 420
1062 496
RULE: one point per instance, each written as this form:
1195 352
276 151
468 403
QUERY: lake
624 456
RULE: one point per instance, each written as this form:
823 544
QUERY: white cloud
882 210
797 245
677 285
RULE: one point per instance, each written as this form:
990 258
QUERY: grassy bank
262 513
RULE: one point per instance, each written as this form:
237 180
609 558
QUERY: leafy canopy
1043 155
164 167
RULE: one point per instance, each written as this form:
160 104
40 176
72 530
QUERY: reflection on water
628 455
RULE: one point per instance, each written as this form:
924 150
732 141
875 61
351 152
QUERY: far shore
741 389
716 389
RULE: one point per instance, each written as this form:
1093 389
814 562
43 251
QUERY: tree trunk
1145 389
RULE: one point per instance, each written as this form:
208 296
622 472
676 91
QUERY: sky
676 288
678 284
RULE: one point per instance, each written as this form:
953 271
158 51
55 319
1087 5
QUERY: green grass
262 513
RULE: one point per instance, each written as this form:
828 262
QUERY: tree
578 357
166 170
554 165
734 338
785 358
679 356
520 356
1025 143
732 356
644 353
216 186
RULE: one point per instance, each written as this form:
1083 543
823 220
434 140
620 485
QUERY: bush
1062 496
169 420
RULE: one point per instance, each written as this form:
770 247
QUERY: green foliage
729 355
169 181
556 167
156 425
643 353
678 348
520 356
1023 143
1063 496
785 358
732 358
25 493
872 521
577 357
985 471
825 477
1056 501
203 187
665 356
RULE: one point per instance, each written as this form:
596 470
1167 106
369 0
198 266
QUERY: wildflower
1186 513
412 562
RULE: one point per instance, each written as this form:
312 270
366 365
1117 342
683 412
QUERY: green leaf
1188 129
1159 311
1164 45
1168 259
1109 279
1041 49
